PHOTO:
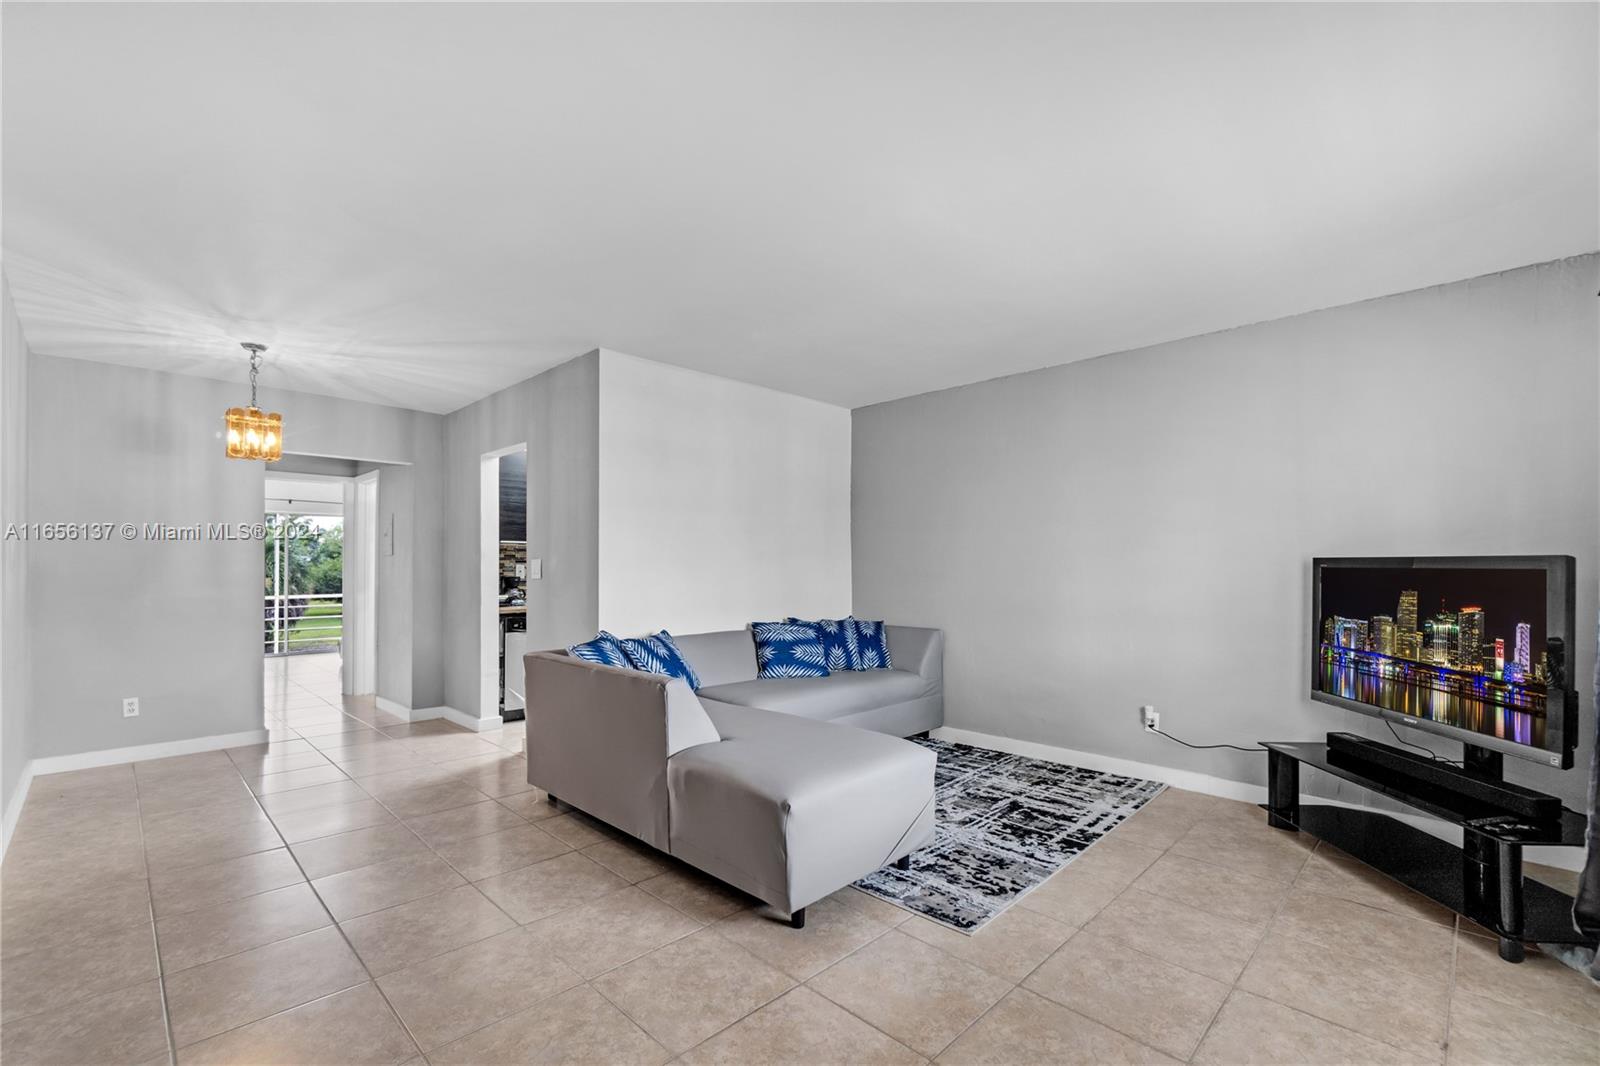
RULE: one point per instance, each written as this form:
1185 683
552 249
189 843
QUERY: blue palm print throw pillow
659 654
872 645
788 649
838 642
604 649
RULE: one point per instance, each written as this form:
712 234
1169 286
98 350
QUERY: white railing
289 628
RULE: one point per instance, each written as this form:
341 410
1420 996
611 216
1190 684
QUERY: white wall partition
359 669
721 503
489 586
15 658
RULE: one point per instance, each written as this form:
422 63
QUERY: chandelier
251 434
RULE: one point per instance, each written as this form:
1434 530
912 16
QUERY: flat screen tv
1478 649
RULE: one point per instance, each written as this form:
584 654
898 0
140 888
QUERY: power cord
1250 751
1203 747
1429 752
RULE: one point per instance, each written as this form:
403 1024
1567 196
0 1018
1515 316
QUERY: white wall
15 748
556 414
721 503
179 624
1139 528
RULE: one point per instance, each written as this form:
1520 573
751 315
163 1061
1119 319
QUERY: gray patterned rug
1004 823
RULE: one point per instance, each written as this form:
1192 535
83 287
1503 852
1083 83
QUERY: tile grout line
1076 930
1266 930
1450 986
1167 962
1304 940
155 932
708 927
806 984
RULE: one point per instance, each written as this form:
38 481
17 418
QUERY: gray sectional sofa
786 788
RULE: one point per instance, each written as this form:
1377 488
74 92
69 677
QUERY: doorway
303 566
505 572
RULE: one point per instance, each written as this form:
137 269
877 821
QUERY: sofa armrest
599 738
918 650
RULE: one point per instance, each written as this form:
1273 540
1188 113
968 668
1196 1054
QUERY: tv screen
1472 648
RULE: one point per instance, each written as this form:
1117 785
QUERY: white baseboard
57 764
13 808
467 721
1561 858
423 714
1189 779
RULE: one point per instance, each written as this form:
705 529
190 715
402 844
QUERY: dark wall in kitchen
514 496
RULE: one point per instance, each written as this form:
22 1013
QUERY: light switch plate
535 569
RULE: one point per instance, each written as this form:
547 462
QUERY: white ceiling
420 204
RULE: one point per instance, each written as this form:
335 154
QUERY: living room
957 439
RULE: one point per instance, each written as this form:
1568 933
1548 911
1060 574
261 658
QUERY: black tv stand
1478 779
1482 880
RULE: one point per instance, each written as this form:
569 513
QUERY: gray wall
179 624
14 658
1138 528
557 414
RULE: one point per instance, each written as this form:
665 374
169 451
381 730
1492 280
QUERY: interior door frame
489 580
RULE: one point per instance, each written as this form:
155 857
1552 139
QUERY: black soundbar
1514 799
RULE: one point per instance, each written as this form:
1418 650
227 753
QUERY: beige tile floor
363 890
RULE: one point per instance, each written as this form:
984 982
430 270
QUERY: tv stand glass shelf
1482 880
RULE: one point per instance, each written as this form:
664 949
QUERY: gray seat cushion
846 692
789 809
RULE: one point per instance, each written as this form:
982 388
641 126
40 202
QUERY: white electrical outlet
130 707
1149 718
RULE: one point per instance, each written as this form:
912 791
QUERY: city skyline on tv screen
1464 646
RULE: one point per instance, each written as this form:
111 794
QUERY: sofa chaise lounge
786 788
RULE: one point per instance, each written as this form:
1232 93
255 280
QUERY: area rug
1004 824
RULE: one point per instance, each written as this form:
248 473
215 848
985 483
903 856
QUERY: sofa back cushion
788 649
720 658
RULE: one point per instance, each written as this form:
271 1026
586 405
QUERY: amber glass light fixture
252 434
